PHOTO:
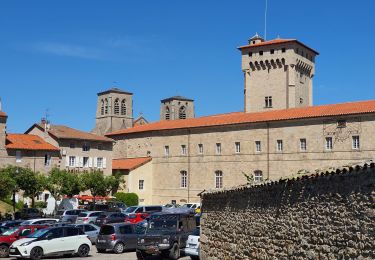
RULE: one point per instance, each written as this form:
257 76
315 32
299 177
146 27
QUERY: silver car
90 230
88 217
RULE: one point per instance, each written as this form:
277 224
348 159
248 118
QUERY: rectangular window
279 146
355 139
268 101
237 147
183 179
272 51
141 184
261 53
250 54
85 162
302 144
258 147
72 145
100 146
47 159
85 147
99 162
200 148
219 179
183 149
18 156
72 161
218 148
329 143
166 150
258 176
283 50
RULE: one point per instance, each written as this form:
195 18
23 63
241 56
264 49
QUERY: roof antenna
47 115
265 22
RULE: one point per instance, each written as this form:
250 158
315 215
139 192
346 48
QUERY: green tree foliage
62 182
98 184
7 183
130 199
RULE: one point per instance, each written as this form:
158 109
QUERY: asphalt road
95 255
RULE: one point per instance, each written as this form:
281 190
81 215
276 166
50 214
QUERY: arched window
106 106
183 179
123 107
167 114
102 108
218 179
182 113
258 176
117 107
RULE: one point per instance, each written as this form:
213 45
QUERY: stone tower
114 111
3 127
277 74
176 107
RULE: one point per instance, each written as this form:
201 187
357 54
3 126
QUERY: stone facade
176 107
323 216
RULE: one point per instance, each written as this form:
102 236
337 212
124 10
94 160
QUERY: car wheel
141 255
101 250
36 253
174 253
83 251
4 251
119 248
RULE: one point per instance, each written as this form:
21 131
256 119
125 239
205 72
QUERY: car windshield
186 206
27 222
9 231
107 230
162 224
130 209
38 233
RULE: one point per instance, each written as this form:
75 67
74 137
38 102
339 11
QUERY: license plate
12 250
152 250
101 241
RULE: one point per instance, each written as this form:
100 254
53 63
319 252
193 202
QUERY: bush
40 204
130 199
19 204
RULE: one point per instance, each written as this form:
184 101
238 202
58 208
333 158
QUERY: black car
166 234
110 217
28 213
11 223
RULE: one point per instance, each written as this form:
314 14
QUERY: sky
55 56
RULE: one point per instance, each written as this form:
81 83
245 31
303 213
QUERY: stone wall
322 216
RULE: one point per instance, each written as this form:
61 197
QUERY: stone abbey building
278 134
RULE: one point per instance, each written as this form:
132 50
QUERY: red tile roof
2 114
28 142
64 132
275 41
129 163
351 108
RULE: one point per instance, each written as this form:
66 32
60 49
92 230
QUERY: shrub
41 204
130 199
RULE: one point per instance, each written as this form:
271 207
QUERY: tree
130 199
7 183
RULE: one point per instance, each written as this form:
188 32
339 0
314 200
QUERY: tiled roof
177 98
351 108
114 90
64 132
2 114
275 41
28 142
129 163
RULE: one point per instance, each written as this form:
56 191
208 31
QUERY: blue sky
57 55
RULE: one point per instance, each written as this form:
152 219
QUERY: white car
40 221
51 242
192 245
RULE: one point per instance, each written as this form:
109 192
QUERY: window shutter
90 162
67 161
104 162
77 161
95 162
81 161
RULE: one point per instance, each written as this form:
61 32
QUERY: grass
5 207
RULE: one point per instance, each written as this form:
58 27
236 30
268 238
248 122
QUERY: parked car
28 213
136 217
144 209
193 244
111 206
69 216
52 241
166 235
92 231
40 221
13 234
2 229
87 217
110 217
116 238
11 223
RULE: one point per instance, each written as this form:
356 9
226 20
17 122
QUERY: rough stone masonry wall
324 216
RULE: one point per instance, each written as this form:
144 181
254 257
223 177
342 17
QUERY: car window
69 212
107 230
82 214
25 232
71 231
89 228
126 229
54 233
153 208
96 214
139 210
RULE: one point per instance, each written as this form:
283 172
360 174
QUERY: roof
176 98
2 114
114 90
129 163
274 42
64 132
351 108
28 142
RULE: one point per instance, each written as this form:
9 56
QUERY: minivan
143 209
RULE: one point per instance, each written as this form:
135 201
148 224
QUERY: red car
136 217
13 234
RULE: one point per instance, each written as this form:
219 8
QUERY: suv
166 234
143 209
88 217
13 234
117 238
52 241
69 216
28 213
